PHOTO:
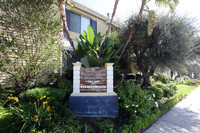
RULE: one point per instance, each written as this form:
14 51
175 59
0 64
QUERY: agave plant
89 46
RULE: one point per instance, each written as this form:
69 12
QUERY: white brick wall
109 68
76 77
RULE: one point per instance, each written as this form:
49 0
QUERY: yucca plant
89 45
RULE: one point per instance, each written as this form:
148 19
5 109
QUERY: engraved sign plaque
93 79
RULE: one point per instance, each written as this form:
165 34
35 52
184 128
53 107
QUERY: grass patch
185 89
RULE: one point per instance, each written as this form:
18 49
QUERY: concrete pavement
182 118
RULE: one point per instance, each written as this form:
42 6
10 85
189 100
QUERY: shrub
157 93
186 77
40 116
6 121
65 85
53 78
68 74
193 82
152 81
2 92
172 86
139 79
65 82
56 95
65 121
162 79
134 102
105 126
167 92
118 77
25 57
1 88
33 116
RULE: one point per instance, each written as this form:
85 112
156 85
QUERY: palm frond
151 22
170 3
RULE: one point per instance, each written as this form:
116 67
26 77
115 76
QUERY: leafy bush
68 74
34 116
1 88
25 57
65 85
139 124
139 79
118 77
56 95
193 82
65 82
172 86
105 126
2 92
134 102
152 81
167 92
65 121
162 79
53 78
40 116
156 92
6 121
186 77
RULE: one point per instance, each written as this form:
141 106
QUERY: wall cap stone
109 64
93 94
77 64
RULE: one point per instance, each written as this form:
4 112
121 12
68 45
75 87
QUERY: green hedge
193 82
168 89
56 96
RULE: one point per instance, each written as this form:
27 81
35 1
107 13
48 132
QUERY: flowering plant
12 101
157 93
134 102
34 116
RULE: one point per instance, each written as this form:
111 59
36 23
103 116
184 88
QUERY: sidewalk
182 118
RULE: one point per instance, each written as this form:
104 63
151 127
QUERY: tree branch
109 28
63 17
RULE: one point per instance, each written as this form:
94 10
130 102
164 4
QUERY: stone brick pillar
76 77
109 67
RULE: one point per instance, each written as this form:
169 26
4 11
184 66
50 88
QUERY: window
78 23
84 24
75 22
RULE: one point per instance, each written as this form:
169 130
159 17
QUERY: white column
109 67
76 77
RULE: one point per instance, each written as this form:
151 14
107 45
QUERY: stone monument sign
93 91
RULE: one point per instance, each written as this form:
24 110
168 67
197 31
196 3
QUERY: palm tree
170 3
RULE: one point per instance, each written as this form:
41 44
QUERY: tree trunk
146 82
146 75
172 74
109 28
63 17
131 33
